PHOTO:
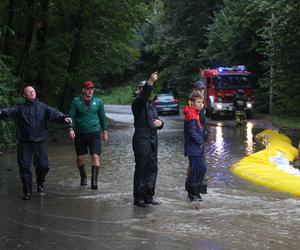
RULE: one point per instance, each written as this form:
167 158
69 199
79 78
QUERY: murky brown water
235 214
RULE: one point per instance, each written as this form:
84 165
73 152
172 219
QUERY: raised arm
147 89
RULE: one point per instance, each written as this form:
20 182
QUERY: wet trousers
36 151
240 117
145 174
197 170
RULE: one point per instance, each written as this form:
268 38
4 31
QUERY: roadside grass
120 95
291 122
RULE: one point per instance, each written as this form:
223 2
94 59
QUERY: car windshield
233 82
165 97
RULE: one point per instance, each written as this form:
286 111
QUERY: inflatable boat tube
271 167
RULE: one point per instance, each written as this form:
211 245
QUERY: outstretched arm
56 116
9 114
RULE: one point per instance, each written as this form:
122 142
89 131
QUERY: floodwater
235 214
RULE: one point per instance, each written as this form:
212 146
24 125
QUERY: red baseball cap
88 84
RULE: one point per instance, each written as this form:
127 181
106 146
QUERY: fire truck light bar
234 68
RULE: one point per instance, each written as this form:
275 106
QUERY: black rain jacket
32 120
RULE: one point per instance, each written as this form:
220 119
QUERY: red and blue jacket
193 133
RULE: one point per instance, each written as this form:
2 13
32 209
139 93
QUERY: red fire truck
222 84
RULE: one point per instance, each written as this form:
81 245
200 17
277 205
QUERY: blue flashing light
234 68
241 67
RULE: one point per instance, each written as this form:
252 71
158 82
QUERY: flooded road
235 214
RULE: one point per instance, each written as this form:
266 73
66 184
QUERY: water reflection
70 215
219 144
249 149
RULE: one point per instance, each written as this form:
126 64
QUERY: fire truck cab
222 84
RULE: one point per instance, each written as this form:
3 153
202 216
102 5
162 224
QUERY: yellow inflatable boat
270 167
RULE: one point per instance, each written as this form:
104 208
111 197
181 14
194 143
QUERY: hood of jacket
190 113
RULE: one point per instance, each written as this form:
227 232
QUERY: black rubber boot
95 173
40 188
203 187
194 192
198 189
152 201
83 179
140 203
27 189
40 178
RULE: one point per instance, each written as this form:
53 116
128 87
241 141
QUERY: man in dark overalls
32 118
144 142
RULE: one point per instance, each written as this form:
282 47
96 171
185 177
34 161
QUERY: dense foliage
58 44
8 97
263 35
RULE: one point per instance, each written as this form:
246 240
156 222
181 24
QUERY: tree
281 46
179 34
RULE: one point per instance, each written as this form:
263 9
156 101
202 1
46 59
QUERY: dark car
166 103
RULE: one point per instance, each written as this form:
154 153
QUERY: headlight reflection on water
219 140
249 139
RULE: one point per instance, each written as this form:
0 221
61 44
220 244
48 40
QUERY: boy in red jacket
194 146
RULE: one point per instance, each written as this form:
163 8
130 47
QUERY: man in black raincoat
144 142
32 118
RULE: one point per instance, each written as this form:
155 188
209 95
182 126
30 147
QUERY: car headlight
249 105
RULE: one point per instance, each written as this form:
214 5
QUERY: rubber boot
27 189
198 190
83 179
40 178
194 192
203 186
95 173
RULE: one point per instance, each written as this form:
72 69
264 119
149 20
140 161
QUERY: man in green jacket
88 116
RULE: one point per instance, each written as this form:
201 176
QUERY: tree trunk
75 56
28 39
41 36
7 46
30 30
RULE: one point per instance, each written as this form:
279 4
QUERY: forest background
58 44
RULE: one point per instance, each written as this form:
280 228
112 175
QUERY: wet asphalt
235 214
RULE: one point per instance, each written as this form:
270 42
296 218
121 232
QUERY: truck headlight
219 105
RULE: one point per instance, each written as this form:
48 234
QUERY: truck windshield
233 82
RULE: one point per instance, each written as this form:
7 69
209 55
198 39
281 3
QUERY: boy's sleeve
193 134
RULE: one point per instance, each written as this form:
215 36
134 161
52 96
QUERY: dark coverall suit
239 104
32 134
144 144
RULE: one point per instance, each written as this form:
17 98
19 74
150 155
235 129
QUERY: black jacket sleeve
54 115
10 114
